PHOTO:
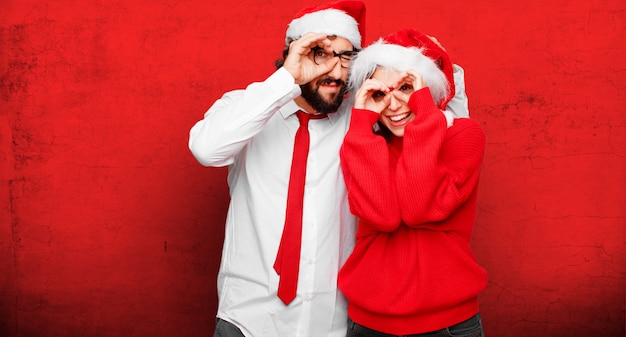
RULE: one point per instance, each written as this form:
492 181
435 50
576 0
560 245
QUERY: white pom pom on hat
344 18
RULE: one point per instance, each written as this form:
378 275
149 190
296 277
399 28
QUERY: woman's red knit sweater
412 269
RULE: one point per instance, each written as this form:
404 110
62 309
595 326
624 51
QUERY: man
253 132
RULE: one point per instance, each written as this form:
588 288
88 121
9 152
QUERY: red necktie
288 258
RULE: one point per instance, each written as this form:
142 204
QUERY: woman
412 180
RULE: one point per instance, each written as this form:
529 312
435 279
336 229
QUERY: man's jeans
472 327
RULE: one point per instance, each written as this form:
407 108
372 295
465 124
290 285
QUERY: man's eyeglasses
345 57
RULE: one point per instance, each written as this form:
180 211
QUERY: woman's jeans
226 329
472 327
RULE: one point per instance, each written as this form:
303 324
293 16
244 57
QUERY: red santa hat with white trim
405 50
345 18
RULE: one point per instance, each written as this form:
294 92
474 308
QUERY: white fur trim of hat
399 58
329 22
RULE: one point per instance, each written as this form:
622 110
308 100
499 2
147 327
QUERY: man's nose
337 72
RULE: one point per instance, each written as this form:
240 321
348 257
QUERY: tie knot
304 117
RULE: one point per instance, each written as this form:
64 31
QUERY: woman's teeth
399 117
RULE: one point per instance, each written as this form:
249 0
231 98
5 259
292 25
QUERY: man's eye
347 55
319 53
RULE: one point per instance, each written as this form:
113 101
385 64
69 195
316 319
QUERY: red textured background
108 226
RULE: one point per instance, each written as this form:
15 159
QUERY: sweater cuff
422 101
426 112
363 120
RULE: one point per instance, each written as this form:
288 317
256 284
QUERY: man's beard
316 101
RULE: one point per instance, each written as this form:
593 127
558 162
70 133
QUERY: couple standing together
353 177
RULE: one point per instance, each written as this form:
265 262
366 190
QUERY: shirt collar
291 108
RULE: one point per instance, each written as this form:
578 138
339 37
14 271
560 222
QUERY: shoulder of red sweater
465 127
464 123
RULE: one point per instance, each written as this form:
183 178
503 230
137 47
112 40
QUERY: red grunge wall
108 227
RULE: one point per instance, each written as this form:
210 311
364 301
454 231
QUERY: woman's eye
406 87
378 95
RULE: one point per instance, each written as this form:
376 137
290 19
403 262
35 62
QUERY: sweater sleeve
368 176
439 166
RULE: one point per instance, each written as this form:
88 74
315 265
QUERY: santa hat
341 18
405 50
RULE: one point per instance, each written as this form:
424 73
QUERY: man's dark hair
279 63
